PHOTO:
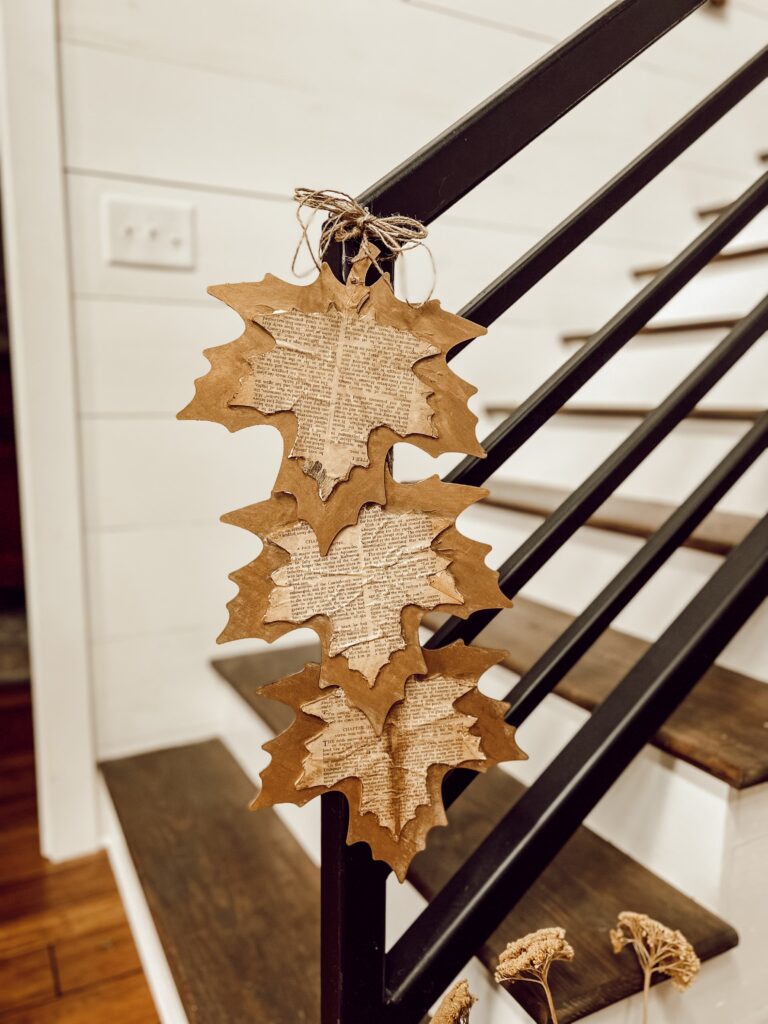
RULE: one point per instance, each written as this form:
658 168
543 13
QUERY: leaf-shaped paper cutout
458 573
451 427
422 729
392 781
342 375
373 570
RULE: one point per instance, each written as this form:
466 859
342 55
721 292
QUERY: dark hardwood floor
66 953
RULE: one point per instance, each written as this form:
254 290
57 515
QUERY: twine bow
347 221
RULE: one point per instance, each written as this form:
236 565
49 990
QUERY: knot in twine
348 221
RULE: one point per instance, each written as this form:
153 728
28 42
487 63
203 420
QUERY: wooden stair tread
742 253
718 533
246 673
668 327
583 890
721 727
710 212
235 899
743 414
14 652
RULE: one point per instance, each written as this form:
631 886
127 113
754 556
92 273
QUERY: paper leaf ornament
342 375
367 595
392 780
372 571
344 371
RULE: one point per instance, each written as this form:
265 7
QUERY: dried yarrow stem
659 949
530 958
455 1007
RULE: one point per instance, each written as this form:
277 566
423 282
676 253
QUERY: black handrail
535 264
518 569
437 176
605 343
482 892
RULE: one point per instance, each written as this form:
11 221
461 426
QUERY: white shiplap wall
229 108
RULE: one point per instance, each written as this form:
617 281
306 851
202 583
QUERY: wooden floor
66 952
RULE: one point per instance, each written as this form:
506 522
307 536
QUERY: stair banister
353 886
481 893
547 399
537 549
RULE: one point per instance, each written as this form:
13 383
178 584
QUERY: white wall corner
37 268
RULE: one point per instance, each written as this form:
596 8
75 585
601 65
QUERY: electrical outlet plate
147 232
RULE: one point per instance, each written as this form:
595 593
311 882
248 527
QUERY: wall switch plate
147 232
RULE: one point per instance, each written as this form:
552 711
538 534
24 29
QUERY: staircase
631 717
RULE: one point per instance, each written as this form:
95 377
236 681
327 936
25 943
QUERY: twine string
348 221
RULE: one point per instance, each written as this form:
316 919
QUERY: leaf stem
646 987
550 1001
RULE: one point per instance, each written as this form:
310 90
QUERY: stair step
747 252
583 890
720 727
729 414
710 212
670 327
718 533
235 899
14 653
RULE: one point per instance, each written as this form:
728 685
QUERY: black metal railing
359 981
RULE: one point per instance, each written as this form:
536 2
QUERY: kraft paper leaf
392 781
343 372
366 597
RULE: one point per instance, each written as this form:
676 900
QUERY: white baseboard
150 949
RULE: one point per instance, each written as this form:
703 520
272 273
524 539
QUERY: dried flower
530 958
455 1007
659 949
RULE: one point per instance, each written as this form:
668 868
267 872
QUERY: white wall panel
259 136
152 137
648 368
686 52
241 238
718 290
756 232
284 45
153 690
164 579
138 357
237 239
566 450
148 472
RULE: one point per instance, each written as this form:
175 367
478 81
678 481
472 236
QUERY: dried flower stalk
659 950
455 1007
530 958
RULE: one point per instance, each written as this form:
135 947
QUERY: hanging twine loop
348 221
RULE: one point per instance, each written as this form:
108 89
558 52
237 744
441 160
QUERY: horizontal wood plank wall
228 114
